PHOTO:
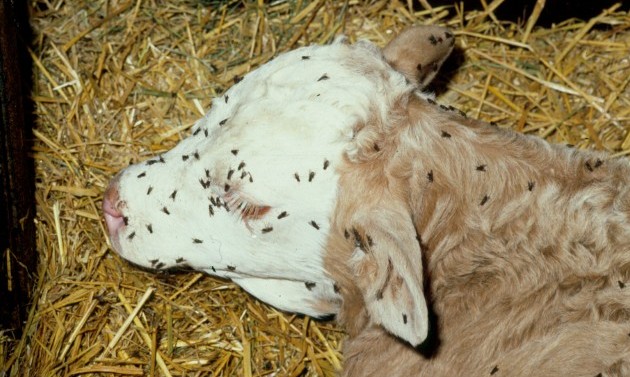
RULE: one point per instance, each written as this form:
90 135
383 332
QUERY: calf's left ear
387 268
419 51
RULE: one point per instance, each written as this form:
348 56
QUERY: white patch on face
249 195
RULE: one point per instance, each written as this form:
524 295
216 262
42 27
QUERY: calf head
250 195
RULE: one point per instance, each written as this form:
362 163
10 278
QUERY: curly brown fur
524 248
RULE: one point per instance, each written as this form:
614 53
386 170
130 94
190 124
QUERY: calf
327 182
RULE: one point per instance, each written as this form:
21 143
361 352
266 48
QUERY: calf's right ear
387 268
419 51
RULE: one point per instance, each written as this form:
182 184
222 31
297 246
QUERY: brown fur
521 248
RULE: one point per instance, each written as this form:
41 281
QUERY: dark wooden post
18 256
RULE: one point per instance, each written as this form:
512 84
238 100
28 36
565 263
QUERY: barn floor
118 81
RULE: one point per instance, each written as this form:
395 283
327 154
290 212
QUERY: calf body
526 250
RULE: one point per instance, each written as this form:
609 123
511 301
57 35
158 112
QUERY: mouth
114 223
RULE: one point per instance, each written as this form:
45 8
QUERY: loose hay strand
128 321
118 81
143 332
78 328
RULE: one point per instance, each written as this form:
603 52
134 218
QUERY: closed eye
253 212
247 209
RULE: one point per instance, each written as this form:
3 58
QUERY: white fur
287 117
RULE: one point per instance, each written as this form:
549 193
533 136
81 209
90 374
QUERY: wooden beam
18 260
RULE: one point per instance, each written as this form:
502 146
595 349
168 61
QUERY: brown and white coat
327 183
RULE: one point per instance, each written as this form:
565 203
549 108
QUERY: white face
249 195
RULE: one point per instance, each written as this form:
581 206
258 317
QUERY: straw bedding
118 81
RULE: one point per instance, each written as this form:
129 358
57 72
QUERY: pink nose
113 216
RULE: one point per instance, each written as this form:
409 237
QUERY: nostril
113 216
110 200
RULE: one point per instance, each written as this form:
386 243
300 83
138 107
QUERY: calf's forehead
298 109
315 85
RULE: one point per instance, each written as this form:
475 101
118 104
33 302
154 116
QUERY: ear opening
418 52
387 268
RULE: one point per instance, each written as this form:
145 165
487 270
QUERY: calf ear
387 268
418 52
